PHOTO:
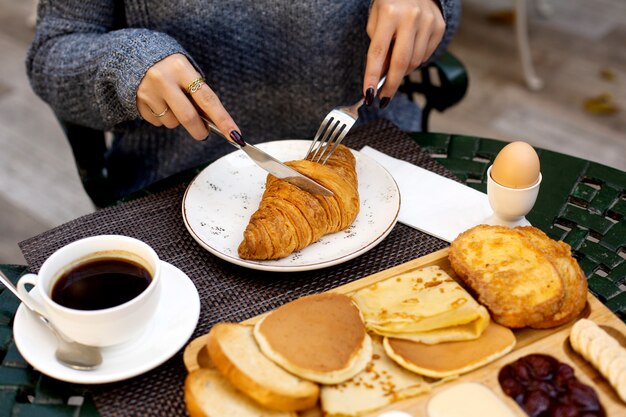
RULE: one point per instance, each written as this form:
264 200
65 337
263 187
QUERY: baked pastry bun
289 218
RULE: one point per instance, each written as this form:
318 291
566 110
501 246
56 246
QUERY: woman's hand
162 99
404 34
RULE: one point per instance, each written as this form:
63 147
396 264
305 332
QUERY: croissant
289 219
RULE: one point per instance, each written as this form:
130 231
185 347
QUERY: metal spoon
69 353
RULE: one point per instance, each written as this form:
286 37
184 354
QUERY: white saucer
173 323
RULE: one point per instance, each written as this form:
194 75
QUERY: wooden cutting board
552 342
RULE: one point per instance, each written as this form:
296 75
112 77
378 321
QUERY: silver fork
334 128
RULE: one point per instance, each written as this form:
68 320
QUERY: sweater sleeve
451 10
87 66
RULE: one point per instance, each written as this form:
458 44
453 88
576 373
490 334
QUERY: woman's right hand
162 99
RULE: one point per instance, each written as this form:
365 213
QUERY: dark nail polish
369 96
384 102
236 136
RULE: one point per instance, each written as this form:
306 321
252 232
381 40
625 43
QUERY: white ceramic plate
220 200
173 323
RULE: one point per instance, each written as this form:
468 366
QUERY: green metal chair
441 93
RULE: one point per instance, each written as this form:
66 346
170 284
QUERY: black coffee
101 283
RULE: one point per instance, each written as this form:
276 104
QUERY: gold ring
158 115
195 85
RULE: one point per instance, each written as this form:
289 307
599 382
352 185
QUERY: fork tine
323 133
344 117
330 133
335 133
342 134
319 133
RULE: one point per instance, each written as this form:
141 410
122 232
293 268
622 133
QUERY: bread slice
209 394
196 354
319 337
237 356
574 280
510 276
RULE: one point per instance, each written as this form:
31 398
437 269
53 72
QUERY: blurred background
578 50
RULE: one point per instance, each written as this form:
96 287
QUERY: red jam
545 387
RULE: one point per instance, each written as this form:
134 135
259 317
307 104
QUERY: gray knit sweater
278 66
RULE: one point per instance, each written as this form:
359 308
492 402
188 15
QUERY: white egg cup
510 205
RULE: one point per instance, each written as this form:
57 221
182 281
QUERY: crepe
382 382
424 305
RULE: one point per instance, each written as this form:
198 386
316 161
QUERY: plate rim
262 265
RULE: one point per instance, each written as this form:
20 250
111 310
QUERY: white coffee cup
108 326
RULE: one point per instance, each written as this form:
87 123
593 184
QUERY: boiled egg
516 166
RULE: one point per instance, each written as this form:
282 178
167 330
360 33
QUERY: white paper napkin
431 203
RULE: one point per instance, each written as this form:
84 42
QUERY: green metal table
580 202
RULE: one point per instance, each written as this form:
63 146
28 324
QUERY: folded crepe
382 382
424 305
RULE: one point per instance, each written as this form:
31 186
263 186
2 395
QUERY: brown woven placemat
227 292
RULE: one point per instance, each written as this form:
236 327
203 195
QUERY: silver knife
273 165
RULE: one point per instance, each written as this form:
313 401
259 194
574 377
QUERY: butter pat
467 399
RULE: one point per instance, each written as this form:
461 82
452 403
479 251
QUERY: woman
262 69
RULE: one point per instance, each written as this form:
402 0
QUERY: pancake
451 358
320 337
424 305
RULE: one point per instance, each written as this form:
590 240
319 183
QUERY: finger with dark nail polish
369 96
384 102
236 137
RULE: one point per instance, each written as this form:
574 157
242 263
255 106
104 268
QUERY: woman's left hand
404 34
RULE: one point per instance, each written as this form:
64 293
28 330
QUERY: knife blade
273 165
